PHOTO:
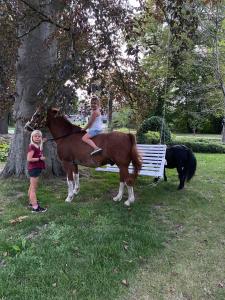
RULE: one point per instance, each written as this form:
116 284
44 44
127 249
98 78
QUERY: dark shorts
34 172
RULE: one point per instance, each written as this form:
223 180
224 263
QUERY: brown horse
118 148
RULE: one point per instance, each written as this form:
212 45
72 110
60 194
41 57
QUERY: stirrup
96 151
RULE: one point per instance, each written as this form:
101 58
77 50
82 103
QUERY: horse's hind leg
76 180
125 177
131 197
69 172
119 196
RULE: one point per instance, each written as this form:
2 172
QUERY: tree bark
33 66
110 111
4 123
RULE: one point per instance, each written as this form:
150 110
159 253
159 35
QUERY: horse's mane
63 121
74 127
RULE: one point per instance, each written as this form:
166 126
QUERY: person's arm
30 157
91 120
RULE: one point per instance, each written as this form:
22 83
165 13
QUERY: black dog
182 158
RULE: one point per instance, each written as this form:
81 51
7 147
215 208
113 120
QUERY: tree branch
31 29
44 17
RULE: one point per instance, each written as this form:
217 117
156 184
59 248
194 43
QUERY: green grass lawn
169 245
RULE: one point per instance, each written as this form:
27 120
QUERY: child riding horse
118 148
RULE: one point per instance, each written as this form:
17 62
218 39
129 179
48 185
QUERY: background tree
177 69
8 54
60 41
35 60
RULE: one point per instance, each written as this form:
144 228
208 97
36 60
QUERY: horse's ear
55 109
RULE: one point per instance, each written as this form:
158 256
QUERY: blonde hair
33 143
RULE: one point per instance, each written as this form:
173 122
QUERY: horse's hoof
127 203
117 199
69 200
76 191
131 200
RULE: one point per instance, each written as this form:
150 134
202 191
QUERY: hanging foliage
88 36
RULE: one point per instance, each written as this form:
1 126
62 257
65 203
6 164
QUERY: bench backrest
153 157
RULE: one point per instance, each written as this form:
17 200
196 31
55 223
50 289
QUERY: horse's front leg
68 167
164 174
76 180
181 175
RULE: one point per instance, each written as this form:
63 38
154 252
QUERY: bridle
28 126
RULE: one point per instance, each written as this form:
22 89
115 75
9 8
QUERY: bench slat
153 157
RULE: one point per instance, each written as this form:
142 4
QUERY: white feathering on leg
76 179
119 196
70 191
131 198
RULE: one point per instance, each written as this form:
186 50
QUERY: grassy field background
169 245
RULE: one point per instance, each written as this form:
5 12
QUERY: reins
60 137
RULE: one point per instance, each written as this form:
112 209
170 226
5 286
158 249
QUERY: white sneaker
96 151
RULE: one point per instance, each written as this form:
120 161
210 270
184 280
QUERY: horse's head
40 118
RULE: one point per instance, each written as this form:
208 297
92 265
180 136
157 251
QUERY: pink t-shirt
37 154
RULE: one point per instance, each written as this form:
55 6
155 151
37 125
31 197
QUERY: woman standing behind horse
94 125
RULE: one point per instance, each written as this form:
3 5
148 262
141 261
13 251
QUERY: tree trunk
4 123
34 63
110 108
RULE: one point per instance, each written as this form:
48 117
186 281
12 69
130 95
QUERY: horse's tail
192 164
135 157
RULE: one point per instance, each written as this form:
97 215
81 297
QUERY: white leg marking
131 198
70 191
119 196
76 180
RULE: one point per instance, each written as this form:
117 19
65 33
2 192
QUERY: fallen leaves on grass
221 284
125 282
125 245
18 220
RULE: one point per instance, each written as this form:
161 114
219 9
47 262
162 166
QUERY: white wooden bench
153 157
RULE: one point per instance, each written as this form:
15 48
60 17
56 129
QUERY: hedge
201 145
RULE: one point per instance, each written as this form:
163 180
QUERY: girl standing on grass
94 126
36 163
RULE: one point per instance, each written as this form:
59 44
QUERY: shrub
152 137
4 149
202 147
153 124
